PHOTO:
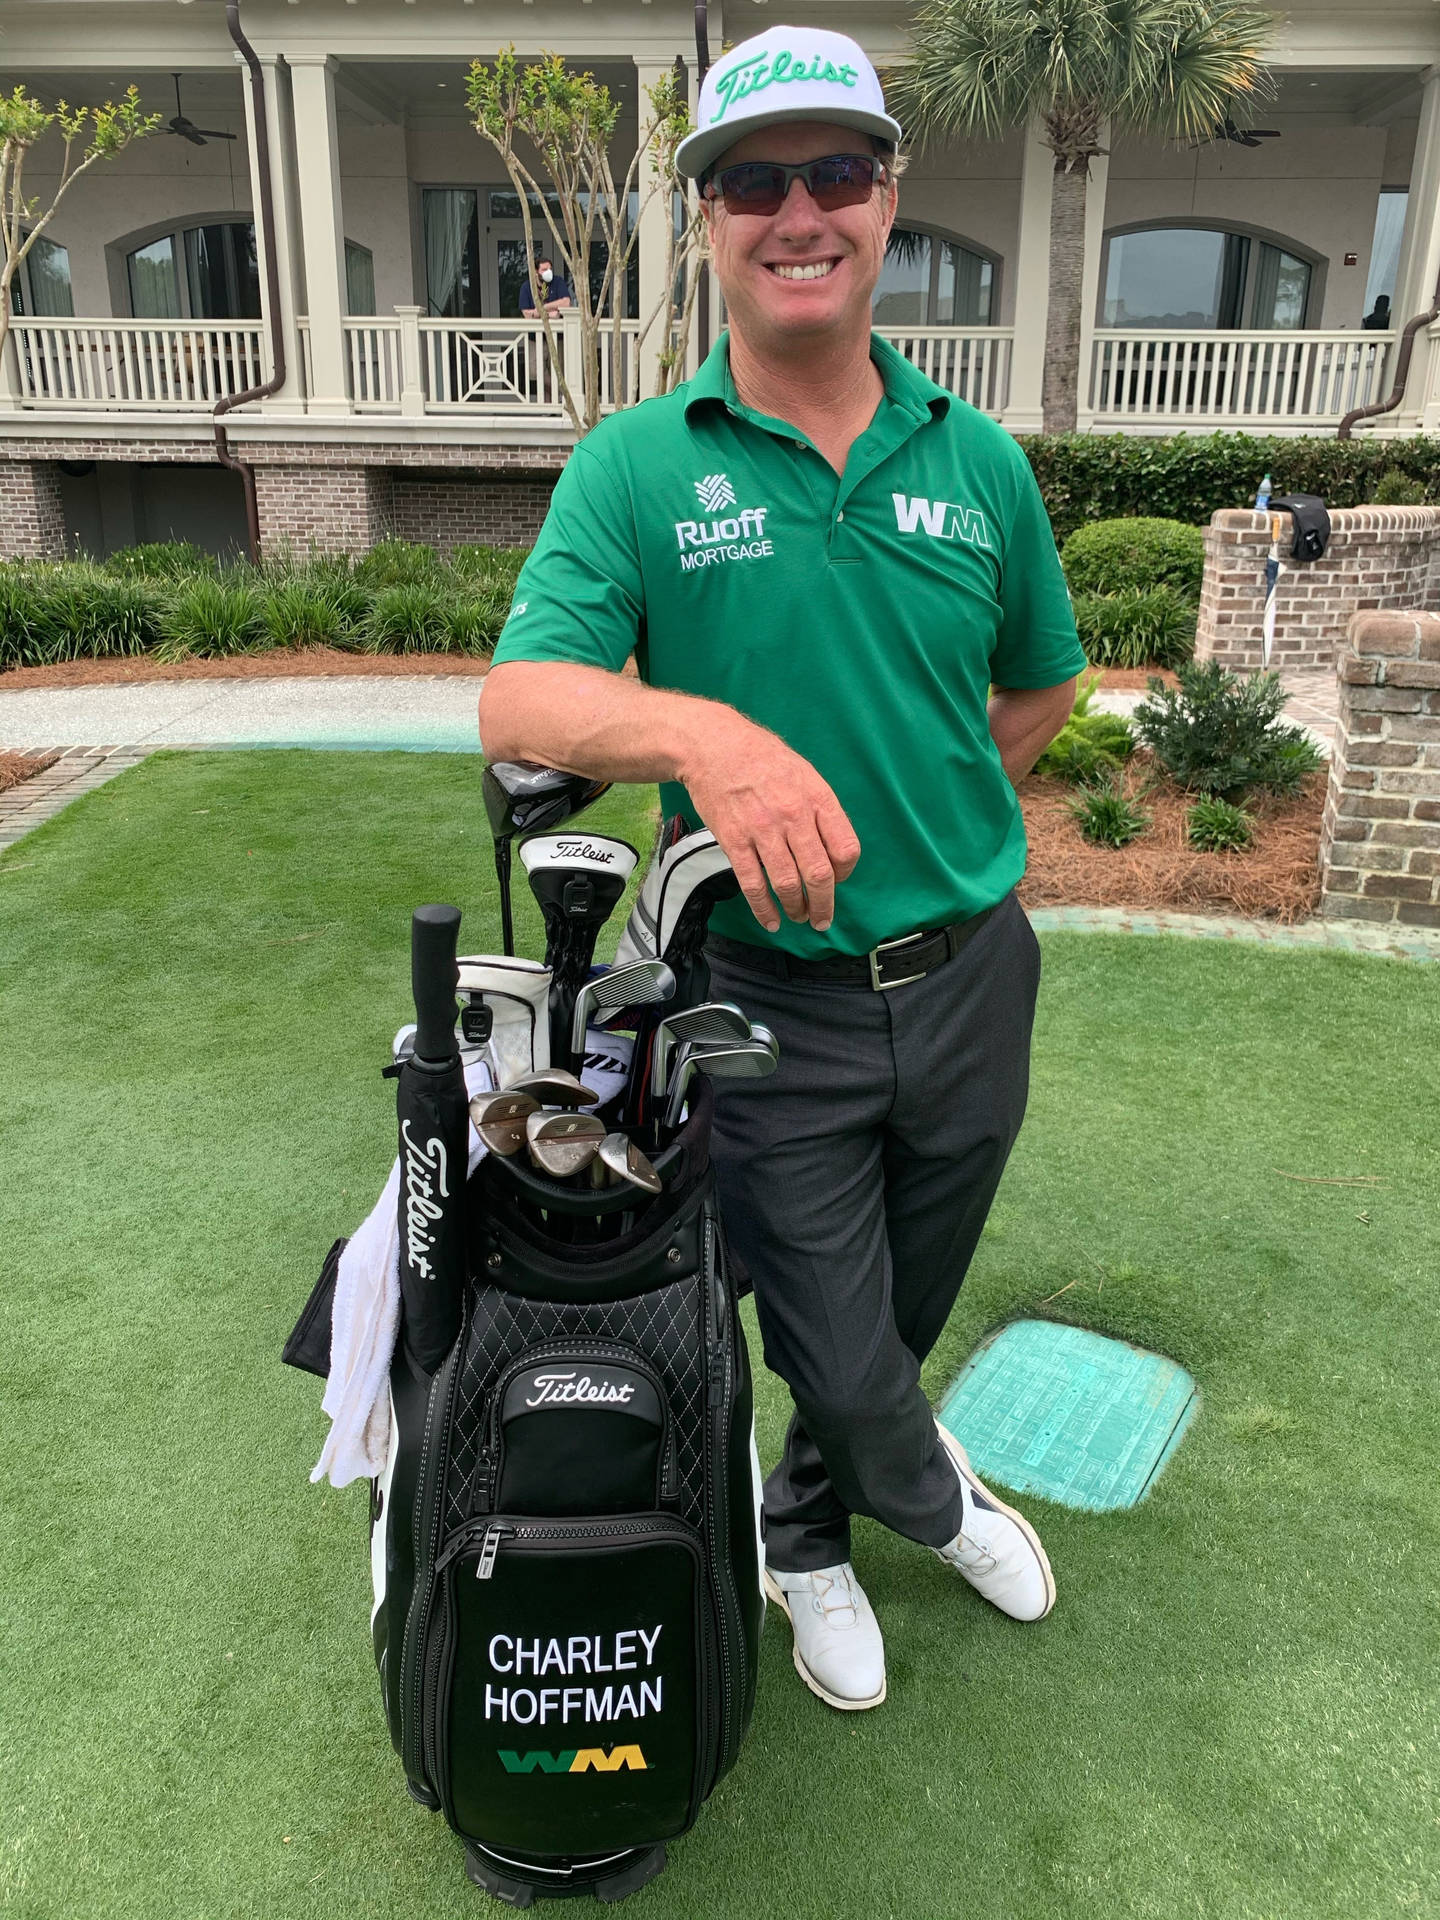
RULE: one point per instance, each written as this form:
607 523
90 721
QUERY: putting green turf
1231 1711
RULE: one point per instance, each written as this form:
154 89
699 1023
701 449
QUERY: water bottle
1262 498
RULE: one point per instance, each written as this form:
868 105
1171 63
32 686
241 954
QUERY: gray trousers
855 1182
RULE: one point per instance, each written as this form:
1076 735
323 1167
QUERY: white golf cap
786 73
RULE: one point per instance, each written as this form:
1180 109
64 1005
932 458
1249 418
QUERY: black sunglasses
761 186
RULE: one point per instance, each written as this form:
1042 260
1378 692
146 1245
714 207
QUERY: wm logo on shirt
943 520
578 1760
715 492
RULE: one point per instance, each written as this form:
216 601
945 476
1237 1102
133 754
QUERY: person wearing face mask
853 638
556 288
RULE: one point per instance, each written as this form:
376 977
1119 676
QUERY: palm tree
1169 67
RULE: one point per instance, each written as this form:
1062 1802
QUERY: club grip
434 978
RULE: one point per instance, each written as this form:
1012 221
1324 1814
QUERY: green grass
1231 1711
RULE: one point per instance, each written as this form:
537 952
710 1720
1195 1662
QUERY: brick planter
1379 557
1380 842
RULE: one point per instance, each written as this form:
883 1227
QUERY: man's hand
776 819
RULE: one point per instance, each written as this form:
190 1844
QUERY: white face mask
547 275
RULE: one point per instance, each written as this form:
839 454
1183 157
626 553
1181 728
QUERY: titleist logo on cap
760 70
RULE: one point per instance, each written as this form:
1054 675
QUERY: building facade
1258 283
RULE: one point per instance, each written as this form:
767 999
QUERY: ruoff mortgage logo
579 1760
943 520
708 543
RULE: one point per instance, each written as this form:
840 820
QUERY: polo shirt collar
905 386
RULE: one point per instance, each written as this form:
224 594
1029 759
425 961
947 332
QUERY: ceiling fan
1242 136
187 129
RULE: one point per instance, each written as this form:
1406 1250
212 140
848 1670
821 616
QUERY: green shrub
1109 476
399 563
1090 746
1108 817
478 562
1217 826
210 618
1221 734
1111 555
17 612
160 560
474 619
305 612
410 618
1136 628
1397 489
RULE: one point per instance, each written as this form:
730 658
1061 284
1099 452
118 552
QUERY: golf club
643 983
523 798
624 1161
711 1021
562 1144
747 1060
555 1087
500 1120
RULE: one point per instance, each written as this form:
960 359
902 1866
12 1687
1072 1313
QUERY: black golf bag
564 1541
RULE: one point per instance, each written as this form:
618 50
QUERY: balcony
1205 380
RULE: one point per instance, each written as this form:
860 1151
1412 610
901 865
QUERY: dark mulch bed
15 767
1277 877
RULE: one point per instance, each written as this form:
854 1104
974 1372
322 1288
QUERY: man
556 288
822 561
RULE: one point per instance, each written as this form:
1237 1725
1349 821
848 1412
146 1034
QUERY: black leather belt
894 963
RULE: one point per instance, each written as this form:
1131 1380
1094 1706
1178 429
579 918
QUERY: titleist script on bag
426 1175
572 1389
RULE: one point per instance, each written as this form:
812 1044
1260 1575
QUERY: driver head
523 798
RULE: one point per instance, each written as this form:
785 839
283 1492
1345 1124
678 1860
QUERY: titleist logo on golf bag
426 1185
556 1389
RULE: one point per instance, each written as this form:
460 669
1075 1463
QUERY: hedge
1107 476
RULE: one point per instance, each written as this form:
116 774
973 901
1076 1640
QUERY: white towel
365 1318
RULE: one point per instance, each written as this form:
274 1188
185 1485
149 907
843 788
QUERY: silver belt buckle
885 946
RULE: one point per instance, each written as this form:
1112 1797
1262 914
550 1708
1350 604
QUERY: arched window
1193 277
933 280
42 286
205 272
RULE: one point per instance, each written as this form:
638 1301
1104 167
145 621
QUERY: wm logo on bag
715 492
943 520
579 1760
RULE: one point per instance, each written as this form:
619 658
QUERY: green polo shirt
862 617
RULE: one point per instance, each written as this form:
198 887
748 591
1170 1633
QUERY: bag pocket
575 1430
571 1712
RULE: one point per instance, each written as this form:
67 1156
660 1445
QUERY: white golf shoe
839 1653
997 1550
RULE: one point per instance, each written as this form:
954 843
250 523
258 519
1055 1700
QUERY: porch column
1031 272
10 374
1095 196
282 187
655 215
317 180
1420 249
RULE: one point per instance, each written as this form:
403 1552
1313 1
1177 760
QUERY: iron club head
500 1120
712 1020
746 1060
563 1143
643 983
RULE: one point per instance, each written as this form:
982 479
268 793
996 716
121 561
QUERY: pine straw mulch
1276 878
276 663
15 767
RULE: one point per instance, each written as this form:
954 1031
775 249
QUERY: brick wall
450 513
32 518
334 509
1380 843
1379 557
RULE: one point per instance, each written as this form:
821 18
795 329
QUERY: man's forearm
1023 722
585 720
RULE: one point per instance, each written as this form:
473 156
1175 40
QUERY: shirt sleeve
580 596
1037 645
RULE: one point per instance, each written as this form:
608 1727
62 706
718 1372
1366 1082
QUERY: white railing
971 361
1235 379
168 364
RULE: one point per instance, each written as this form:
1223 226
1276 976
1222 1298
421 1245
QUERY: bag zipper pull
486 1566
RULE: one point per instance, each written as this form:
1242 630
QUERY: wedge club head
625 1162
500 1120
562 1144
554 1087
